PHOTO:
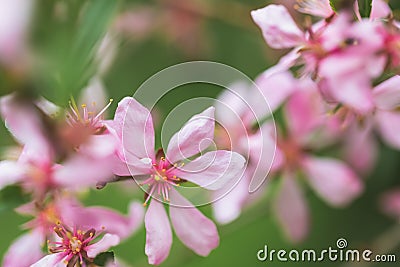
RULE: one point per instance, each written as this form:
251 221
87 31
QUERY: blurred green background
222 31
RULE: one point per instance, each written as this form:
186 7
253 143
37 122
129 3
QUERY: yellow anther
83 105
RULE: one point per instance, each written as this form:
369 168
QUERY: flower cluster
337 89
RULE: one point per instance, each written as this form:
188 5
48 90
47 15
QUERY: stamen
104 109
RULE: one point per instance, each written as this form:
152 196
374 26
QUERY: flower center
85 116
161 179
73 244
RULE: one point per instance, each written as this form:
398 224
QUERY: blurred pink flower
236 109
176 21
68 211
332 179
390 203
384 117
212 170
14 25
362 49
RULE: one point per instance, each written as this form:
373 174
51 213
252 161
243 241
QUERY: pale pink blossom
333 180
68 211
15 17
160 175
236 111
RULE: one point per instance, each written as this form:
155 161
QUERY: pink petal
47 107
106 242
278 27
387 94
388 124
276 87
319 8
357 10
135 127
333 180
23 121
194 229
11 172
158 233
53 260
361 149
214 169
231 104
99 217
263 150
354 92
379 9
304 112
99 146
25 250
229 207
81 171
196 135
291 210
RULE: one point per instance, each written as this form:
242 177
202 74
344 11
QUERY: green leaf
12 197
103 258
69 55
365 7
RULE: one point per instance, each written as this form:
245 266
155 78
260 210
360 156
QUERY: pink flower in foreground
76 247
86 139
212 170
27 249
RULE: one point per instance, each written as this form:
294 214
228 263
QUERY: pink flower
70 212
362 48
330 178
14 25
161 175
76 246
278 27
236 111
89 144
